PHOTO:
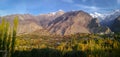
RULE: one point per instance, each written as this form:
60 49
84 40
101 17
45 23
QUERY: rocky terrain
29 23
109 19
116 25
76 22
44 19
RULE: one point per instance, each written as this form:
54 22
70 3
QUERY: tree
8 36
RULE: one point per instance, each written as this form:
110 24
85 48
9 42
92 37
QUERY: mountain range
109 19
66 23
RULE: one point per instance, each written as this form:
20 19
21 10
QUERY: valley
65 34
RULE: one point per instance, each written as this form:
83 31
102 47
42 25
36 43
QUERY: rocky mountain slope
106 18
116 25
75 22
62 23
29 23
109 19
44 19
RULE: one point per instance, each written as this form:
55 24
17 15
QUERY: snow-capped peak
60 10
98 15
53 13
114 14
110 17
106 16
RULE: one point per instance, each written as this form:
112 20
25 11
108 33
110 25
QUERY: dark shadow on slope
47 52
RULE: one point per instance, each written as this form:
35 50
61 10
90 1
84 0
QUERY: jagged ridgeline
8 37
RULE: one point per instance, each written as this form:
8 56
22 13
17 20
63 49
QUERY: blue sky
37 7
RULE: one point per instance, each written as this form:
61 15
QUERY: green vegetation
8 37
78 45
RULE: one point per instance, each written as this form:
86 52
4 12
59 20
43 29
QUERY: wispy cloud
90 8
68 1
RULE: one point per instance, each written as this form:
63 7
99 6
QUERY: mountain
110 17
44 19
27 23
75 22
116 25
60 22
106 18
95 27
100 16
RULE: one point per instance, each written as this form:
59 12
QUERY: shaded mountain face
115 27
109 19
74 22
95 27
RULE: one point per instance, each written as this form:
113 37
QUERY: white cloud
68 1
118 1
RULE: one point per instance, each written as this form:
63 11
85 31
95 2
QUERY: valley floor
77 45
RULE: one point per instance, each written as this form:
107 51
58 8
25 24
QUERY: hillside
76 22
